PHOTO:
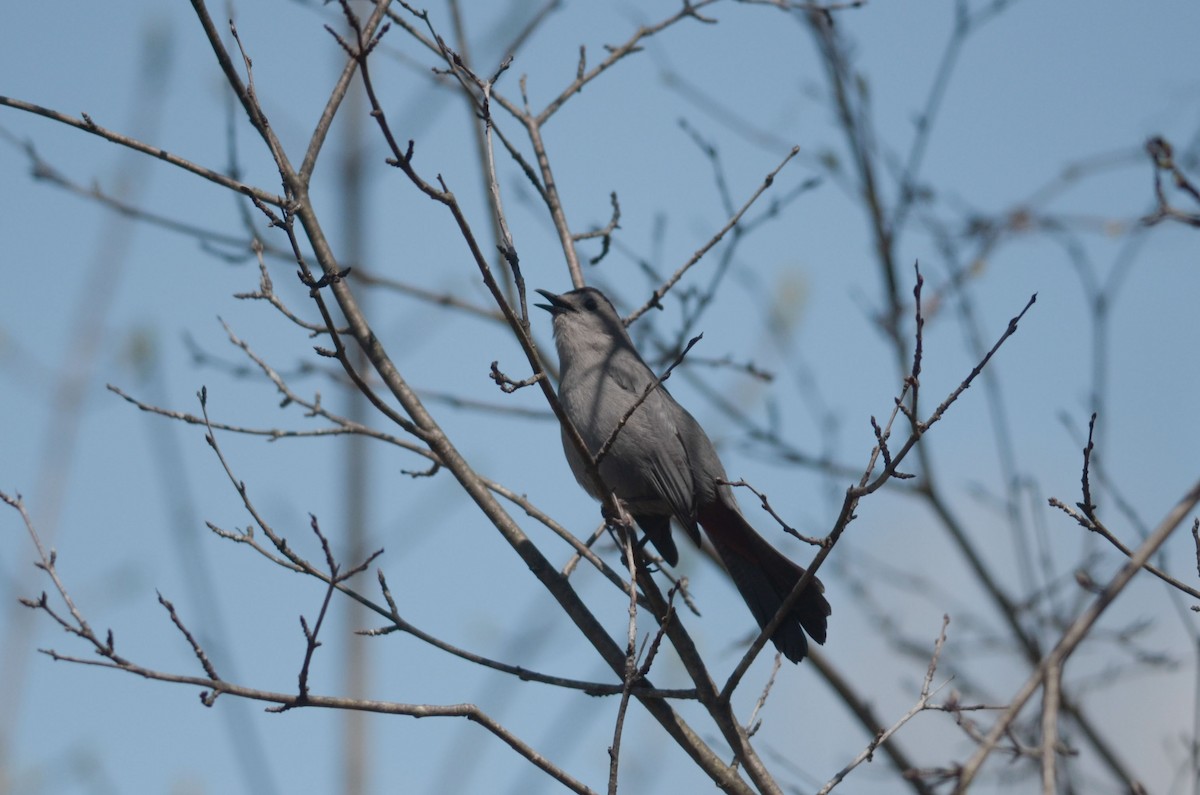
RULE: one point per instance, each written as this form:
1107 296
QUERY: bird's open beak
556 305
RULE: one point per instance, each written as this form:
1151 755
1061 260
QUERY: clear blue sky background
123 497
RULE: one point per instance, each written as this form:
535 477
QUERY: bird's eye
590 304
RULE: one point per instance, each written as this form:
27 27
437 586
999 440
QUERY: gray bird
663 466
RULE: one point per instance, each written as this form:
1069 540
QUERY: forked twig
927 692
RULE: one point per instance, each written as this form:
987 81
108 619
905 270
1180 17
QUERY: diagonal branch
87 125
1076 632
674 278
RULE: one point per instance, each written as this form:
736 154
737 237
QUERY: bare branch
1087 518
766 506
1077 631
87 125
205 663
922 704
1163 157
673 279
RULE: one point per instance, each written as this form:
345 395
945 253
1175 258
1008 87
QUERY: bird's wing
668 465
665 465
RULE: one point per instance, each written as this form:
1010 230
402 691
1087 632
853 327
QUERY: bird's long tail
764 578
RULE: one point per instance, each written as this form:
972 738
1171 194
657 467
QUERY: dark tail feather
764 578
658 529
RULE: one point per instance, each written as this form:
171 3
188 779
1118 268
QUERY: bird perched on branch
662 466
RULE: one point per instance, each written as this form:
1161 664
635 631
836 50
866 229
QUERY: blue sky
1039 88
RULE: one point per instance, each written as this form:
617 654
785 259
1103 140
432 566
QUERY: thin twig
87 125
646 392
1051 701
766 506
1163 157
631 666
656 297
205 663
927 692
1087 517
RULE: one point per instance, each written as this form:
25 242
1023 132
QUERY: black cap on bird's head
584 318
585 298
